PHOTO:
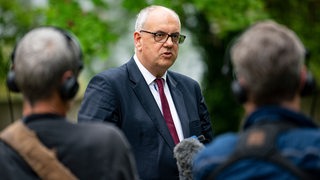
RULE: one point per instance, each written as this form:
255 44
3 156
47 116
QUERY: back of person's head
269 58
41 58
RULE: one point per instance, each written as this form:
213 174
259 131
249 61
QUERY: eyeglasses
162 37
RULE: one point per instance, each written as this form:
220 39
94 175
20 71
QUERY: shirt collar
35 117
149 78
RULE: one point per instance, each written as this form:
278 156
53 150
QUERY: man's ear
137 40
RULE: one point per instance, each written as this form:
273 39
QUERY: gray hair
41 58
144 13
269 57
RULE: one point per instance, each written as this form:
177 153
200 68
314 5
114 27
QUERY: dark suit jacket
122 96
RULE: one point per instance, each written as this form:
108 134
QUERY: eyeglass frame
179 41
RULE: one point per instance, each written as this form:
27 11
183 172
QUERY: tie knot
159 82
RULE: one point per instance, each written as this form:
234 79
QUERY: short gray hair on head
269 56
144 13
41 58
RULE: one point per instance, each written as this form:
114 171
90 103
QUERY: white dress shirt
149 78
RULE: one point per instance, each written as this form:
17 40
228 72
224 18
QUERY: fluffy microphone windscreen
184 153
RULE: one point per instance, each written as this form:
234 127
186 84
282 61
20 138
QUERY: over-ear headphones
69 87
11 82
309 86
240 92
12 86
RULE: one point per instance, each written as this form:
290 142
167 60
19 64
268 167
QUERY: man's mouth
167 54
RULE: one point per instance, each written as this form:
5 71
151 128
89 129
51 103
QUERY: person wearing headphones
44 144
277 141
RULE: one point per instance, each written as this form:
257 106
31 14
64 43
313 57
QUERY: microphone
184 153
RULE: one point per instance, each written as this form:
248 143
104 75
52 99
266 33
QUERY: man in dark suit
130 97
46 65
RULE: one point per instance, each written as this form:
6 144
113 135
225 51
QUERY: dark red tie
166 111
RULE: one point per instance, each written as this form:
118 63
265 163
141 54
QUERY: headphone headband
70 87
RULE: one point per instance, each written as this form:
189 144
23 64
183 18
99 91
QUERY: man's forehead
162 21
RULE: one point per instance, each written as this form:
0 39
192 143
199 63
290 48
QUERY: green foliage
88 25
228 15
304 18
15 19
133 6
212 25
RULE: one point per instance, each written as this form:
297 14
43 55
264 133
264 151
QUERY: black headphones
239 92
69 87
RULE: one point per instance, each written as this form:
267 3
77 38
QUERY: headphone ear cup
11 82
69 88
309 85
238 92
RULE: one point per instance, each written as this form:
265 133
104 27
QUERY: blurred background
105 30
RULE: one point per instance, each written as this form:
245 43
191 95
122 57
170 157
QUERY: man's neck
293 105
53 105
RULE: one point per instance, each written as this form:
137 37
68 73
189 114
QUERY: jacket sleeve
206 126
99 102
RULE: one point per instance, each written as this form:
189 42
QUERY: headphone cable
10 106
313 104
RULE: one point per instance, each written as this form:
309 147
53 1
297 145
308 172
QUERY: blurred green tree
213 24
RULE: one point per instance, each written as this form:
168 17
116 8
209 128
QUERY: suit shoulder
183 80
107 77
114 72
181 77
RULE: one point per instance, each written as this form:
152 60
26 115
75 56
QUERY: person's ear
137 40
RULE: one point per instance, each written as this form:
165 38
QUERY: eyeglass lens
163 37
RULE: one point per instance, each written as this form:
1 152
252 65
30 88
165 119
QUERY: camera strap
41 159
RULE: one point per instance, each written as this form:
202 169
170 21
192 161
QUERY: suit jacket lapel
179 103
146 98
